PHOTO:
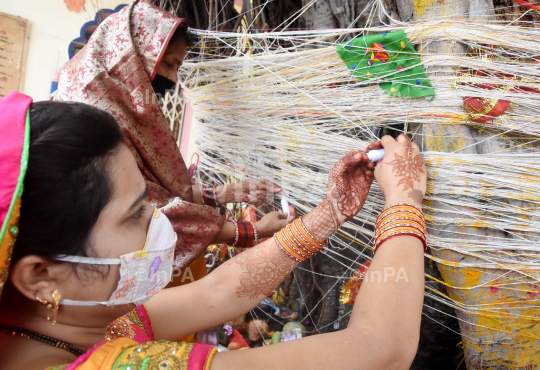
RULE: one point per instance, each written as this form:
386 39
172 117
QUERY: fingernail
357 156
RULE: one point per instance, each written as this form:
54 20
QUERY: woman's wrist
223 195
400 199
261 230
322 221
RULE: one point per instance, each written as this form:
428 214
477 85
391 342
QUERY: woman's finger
387 140
374 146
292 213
402 138
352 158
272 188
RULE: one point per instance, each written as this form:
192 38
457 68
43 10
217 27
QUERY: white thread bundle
288 113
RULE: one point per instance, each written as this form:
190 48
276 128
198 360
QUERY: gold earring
49 306
56 306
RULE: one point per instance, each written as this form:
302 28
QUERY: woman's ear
31 277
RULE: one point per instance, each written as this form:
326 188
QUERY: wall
52 28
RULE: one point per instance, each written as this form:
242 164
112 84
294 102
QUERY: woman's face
172 60
121 228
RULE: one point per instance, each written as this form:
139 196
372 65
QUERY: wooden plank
14 33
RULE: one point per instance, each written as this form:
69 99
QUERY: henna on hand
254 191
264 267
322 221
348 185
347 191
408 167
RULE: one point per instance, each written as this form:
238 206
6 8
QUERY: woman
129 54
88 241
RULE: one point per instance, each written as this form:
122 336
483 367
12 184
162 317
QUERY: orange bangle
400 208
388 220
297 242
293 243
381 231
399 212
296 234
397 230
400 219
283 245
310 239
403 205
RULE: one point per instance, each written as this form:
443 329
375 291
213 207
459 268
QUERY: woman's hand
401 174
349 183
273 222
347 191
253 191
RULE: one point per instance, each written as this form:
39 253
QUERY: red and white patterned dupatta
114 72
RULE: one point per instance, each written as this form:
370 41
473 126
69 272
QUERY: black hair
181 35
67 182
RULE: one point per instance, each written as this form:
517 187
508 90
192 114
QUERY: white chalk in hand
284 205
375 155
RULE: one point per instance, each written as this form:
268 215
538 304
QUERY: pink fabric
113 72
139 335
84 357
13 110
198 357
147 323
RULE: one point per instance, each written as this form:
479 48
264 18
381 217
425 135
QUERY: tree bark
466 140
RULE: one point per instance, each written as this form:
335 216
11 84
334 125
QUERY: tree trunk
483 346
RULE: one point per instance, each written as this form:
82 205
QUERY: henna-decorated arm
230 291
253 191
383 331
384 328
403 174
256 192
243 282
269 224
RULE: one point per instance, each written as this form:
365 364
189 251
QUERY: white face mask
142 273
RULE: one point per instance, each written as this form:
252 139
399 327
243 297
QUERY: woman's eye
139 213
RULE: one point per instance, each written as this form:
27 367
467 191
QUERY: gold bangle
255 236
236 229
214 194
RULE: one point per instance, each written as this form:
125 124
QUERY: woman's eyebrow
139 198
